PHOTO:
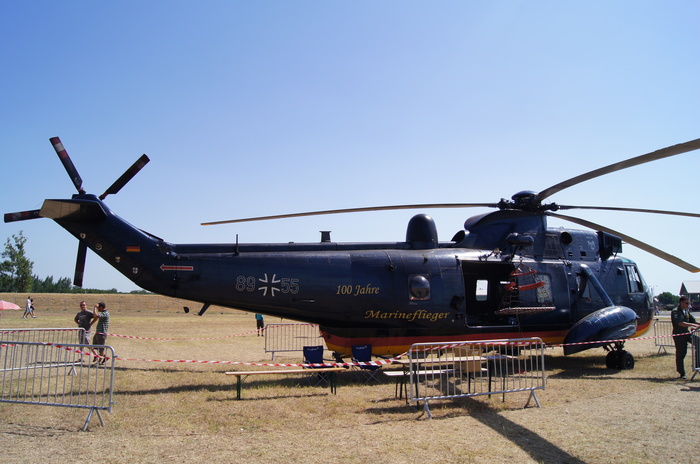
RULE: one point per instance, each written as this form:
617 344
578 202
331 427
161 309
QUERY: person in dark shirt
84 319
682 322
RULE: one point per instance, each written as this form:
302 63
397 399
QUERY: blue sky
256 108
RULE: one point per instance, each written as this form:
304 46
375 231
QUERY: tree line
16 273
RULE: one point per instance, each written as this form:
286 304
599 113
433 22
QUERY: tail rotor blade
67 163
80 265
22 216
126 177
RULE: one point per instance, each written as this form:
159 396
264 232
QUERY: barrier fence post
695 350
52 374
467 369
663 337
290 337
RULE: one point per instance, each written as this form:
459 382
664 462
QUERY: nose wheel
618 358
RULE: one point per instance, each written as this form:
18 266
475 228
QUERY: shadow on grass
539 448
251 397
536 446
34 431
178 389
576 367
690 388
229 386
593 368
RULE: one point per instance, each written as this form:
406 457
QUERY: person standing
100 312
682 321
260 324
29 308
84 319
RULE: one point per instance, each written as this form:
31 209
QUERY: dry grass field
188 412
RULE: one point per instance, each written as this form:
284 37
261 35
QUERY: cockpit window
634 280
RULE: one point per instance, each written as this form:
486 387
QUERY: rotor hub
526 200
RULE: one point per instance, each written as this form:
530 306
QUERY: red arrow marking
163 267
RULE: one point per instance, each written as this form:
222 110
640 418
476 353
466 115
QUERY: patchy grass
188 412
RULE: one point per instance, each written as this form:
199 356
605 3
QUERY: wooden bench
332 377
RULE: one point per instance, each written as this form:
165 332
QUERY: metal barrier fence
60 336
56 375
465 369
290 337
695 350
663 337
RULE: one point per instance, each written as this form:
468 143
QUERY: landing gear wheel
612 360
619 359
626 360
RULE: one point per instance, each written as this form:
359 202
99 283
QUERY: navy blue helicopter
505 275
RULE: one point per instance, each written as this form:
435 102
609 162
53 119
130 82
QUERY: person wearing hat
102 317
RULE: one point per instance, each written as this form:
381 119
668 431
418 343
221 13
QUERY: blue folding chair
363 354
314 355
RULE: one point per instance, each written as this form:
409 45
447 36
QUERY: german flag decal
133 249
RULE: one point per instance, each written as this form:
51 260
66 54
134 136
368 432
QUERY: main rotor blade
67 163
126 177
357 210
653 156
80 265
22 216
632 210
632 241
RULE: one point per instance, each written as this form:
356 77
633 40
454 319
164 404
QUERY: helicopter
505 275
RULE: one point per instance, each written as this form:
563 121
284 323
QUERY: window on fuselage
634 280
482 290
544 293
419 288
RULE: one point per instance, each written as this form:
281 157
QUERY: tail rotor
78 183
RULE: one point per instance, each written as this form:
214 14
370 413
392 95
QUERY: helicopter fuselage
389 295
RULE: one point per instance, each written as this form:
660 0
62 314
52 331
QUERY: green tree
667 298
47 285
16 269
